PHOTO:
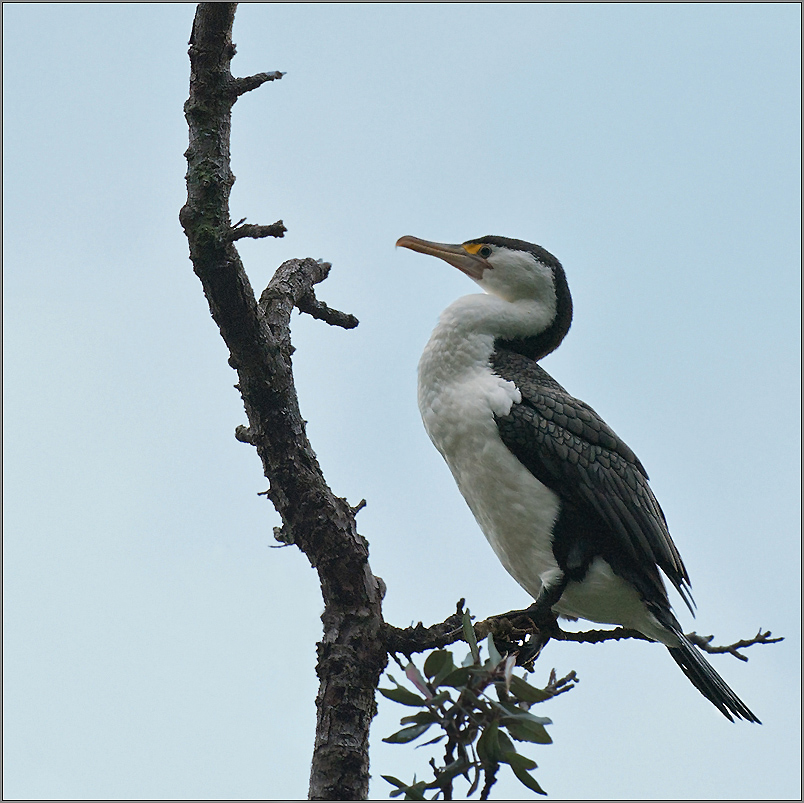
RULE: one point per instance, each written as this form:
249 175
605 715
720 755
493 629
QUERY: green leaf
407 734
403 695
457 678
494 656
506 745
526 779
488 745
524 730
433 741
449 666
417 792
414 791
519 761
436 662
469 635
441 697
521 713
522 690
420 719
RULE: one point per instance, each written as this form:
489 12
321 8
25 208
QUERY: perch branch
515 627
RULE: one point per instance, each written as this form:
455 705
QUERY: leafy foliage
479 727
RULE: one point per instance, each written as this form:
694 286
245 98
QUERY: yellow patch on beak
472 248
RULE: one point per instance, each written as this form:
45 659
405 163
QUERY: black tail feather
708 682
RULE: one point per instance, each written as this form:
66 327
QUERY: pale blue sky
155 645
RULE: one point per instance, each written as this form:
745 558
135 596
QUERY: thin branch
556 685
318 309
705 643
598 636
514 628
242 85
239 231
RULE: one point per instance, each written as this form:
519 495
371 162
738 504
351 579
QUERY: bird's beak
457 256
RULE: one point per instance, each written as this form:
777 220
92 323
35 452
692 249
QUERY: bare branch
514 628
705 643
410 640
598 636
358 507
239 231
292 286
242 85
318 309
558 686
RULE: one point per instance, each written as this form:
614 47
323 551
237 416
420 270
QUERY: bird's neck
464 337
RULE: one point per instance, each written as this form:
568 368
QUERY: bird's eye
485 252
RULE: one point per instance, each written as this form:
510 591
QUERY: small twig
318 309
283 535
243 434
558 686
358 507
241 230
705 643
242 85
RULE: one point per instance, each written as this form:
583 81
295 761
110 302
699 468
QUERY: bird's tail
708 682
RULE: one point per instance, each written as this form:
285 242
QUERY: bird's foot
532 648
546 623
542 615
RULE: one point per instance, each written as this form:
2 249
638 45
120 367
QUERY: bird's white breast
458 399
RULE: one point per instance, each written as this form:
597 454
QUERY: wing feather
569 448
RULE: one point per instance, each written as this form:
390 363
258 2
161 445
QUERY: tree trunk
351 655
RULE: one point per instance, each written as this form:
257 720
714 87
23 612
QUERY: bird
564 503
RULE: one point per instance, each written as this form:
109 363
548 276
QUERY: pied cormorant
562 500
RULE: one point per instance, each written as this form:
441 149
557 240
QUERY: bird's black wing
603 486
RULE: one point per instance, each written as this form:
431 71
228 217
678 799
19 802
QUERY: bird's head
510 269
513 270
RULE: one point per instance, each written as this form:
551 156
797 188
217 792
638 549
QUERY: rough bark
351 654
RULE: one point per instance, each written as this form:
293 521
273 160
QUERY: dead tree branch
705 643
239 231
514 628
351 655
